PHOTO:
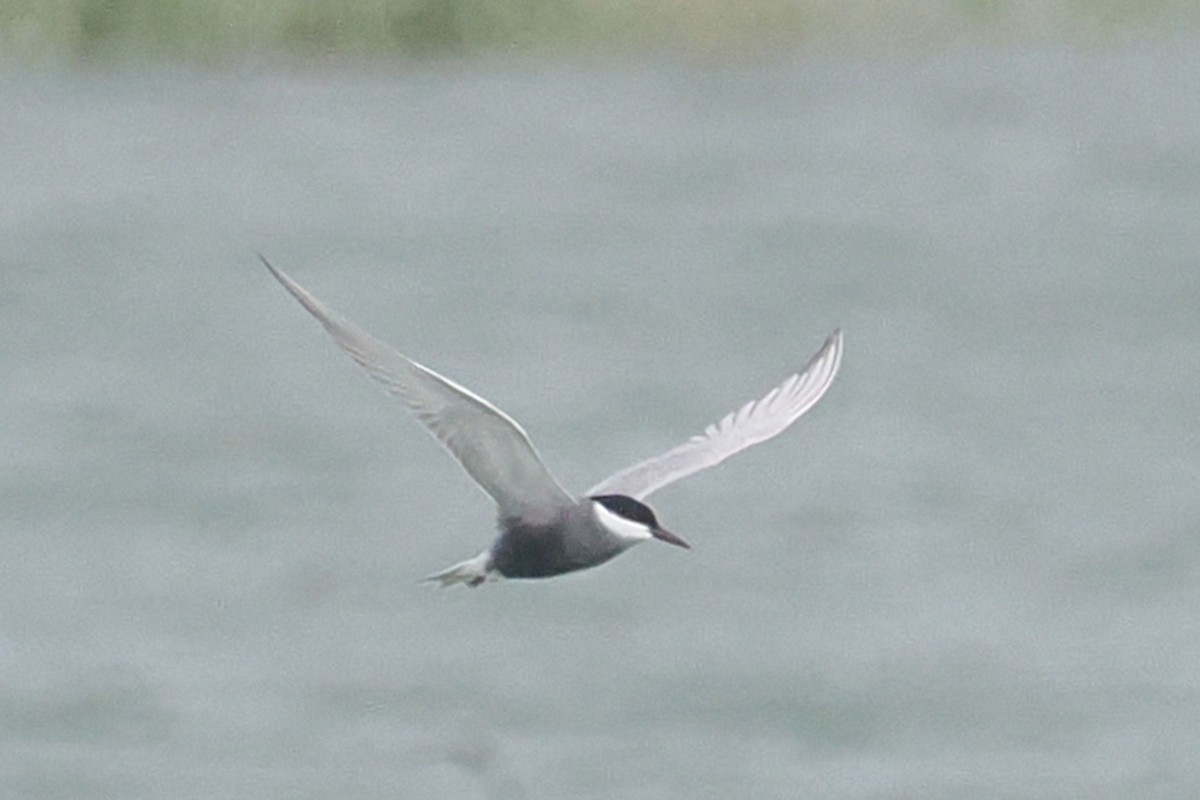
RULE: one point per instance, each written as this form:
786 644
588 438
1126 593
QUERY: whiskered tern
544 530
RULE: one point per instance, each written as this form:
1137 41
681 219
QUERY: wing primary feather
746 426
490 445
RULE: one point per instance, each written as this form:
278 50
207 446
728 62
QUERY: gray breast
571 542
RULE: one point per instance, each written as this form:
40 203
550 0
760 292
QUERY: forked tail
472 572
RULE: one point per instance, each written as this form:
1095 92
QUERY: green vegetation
224 29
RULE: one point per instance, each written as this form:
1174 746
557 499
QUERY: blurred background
220 31
972 571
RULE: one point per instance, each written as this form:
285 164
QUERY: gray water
971 572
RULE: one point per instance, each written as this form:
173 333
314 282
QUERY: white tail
472 572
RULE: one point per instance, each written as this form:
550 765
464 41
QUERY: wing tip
279 276
311 304
836 339
831 352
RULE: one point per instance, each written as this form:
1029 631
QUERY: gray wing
754 422
490 445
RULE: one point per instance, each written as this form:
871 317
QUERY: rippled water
971 572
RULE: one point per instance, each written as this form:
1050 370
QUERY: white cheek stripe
623 528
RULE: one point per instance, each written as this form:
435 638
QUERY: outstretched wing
493 449
754 422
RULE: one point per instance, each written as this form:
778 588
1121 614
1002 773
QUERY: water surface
970 572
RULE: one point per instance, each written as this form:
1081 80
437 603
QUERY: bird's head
631 520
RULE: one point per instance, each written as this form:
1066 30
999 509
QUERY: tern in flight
543 529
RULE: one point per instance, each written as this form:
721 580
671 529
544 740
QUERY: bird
544 531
